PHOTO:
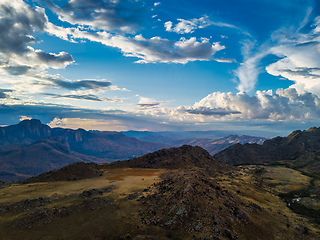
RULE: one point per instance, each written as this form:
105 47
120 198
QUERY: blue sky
161 65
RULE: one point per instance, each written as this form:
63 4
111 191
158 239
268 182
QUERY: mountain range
31 148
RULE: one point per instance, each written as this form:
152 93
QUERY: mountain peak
33 123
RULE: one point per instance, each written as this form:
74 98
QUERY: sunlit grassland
117 219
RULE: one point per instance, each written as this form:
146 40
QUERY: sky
116 65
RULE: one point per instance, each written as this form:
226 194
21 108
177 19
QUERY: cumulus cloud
282 105
18 26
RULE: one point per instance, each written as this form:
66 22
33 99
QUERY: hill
72 172
300 150
173 158
178 193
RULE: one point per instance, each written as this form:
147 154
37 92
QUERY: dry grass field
111 221
119 215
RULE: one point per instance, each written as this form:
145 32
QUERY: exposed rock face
301 149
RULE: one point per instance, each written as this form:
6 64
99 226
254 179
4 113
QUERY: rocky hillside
185 199
174 158
301 150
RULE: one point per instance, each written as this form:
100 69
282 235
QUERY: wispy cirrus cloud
189 26
298 57
90 97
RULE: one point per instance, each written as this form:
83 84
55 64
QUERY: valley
259 190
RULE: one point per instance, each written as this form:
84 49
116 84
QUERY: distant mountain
169 137
212 141
30 148
20 161
111 145
214 146
300 150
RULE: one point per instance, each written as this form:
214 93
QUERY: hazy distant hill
169 137
214 146
212 141
301 150
20 161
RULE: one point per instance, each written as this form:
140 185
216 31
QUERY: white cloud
300 59
249 69
153 50
157 4
145 102
18 24
107 15
282 105
88 124
188 26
